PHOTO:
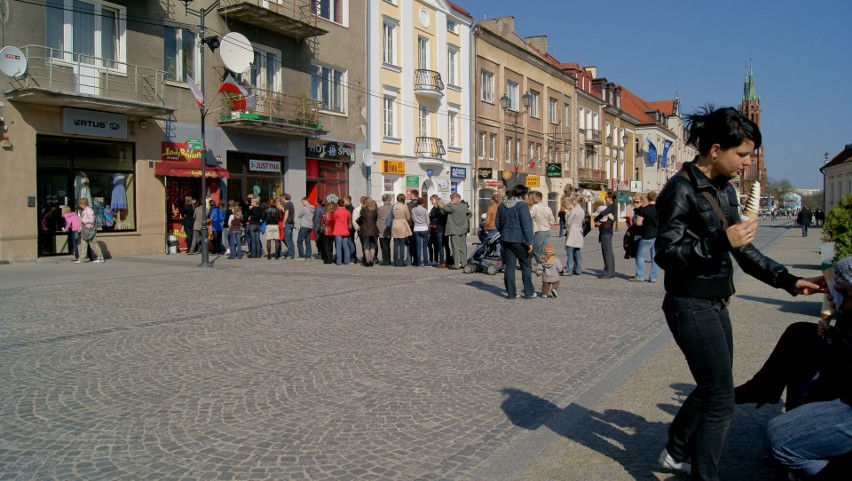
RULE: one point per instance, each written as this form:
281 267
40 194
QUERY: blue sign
429 172
458 172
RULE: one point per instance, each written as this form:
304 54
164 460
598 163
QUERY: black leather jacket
692 246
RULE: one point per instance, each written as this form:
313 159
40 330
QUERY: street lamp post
506 102
213 43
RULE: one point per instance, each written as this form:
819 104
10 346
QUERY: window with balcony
389 116
492 146
581 118
452 65
422 53
327 87
265 72
535 101
486 87
87 31
423 122
389 43
332 10
452 117
179 53
512 93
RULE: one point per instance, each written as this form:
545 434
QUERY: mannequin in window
81 187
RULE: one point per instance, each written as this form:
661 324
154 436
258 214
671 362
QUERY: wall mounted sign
458 173
323 149
264 165
396 167
412 181
181 152
484 173
92 122
554 170
533 181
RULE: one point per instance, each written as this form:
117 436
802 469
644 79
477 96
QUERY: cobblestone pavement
153 368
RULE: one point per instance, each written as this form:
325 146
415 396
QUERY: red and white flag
231 85
196 92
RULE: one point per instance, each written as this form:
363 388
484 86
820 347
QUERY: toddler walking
549 269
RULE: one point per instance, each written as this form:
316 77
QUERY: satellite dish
367 158
236 52
13 62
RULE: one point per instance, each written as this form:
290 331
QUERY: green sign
412 181
622 198
554 170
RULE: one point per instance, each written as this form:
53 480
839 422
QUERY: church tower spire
750 108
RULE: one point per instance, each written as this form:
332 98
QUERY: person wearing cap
549 266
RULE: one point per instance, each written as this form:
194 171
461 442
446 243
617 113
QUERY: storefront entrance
327 168
256 174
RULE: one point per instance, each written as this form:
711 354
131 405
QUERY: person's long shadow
784 305
630 440
484 286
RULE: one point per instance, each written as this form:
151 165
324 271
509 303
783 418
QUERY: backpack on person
587 224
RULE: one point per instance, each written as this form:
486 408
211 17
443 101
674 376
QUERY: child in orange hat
549 269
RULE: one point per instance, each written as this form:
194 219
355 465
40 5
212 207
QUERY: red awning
188 169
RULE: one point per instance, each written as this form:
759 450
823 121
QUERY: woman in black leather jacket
699 230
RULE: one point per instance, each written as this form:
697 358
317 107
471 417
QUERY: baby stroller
486 257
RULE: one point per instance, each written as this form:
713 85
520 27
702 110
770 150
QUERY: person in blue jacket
516 234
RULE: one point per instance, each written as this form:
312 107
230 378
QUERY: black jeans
437 235
702 330
400 251
385 243
516 253
608 256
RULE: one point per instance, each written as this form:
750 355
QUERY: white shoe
78 261
667 462
98 260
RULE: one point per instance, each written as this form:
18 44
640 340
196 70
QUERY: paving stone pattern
153 368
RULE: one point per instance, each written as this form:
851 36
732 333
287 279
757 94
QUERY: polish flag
231 85
196 92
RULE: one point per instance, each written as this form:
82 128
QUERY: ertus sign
484 173
323 149
92 122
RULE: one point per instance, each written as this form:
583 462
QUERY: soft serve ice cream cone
752 205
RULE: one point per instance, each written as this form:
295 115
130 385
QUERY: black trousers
385 245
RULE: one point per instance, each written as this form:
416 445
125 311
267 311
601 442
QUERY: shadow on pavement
785 305
628 439
484 286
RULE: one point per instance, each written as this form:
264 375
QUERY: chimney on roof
502 26
593 71
539 42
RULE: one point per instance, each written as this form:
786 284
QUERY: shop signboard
485 173
325 150
179 152
458 173
265 166
396 167
554 170
92 122
412 181
493 184
533 181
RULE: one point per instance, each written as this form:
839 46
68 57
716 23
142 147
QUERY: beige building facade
105 112
525 107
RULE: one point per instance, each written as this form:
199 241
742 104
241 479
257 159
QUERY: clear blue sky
801 53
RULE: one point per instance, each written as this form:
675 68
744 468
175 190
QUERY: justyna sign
92 122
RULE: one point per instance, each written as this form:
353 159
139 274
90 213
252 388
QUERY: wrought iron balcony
591 175
293 18
428 83
67 79
273 112
430 152
592 137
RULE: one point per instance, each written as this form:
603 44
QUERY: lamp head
609 140
526 99
624 140
504 101
212 41
186 2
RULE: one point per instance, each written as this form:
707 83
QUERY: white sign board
92 122
264 165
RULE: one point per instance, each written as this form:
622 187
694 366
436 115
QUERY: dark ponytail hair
520 191
724 126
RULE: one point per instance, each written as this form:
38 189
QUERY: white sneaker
78 261
98 260
667 462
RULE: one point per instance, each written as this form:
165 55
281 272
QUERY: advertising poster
443 185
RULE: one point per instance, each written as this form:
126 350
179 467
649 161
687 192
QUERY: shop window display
72 169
